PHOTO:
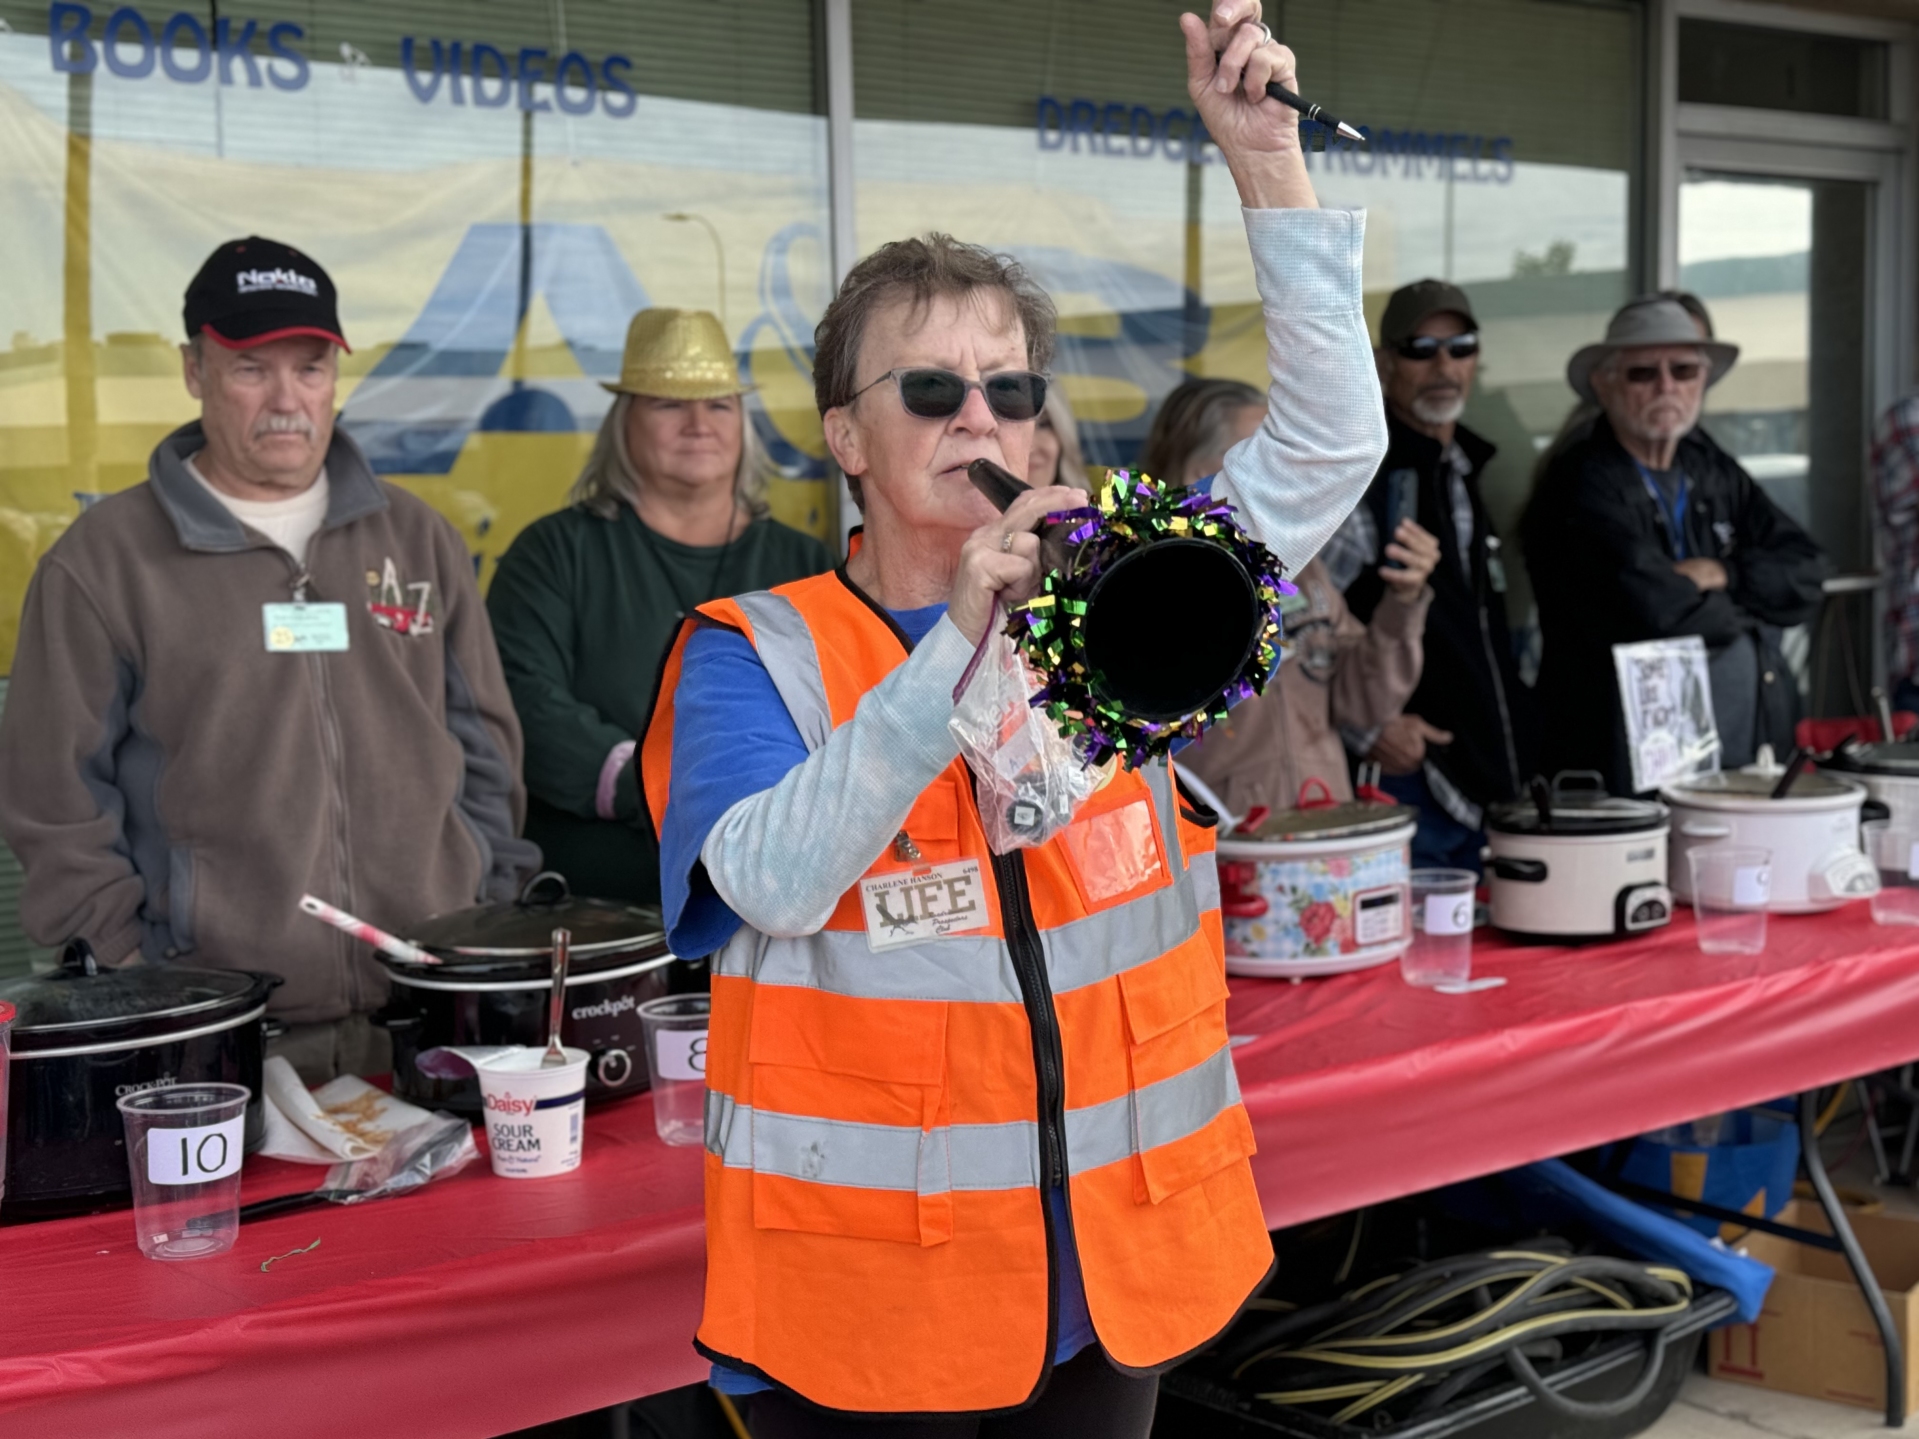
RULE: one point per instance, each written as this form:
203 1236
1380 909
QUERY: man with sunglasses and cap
1465 738
975 1159
262 673
1646 530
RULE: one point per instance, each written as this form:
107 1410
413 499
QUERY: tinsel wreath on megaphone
1158 613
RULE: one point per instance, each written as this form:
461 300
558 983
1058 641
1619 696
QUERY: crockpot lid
79 994
1899 757
1578 814
523 928
1747 784
1332 821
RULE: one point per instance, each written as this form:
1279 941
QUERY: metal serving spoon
555 1055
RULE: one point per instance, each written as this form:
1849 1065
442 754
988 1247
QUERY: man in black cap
260 674
1465 738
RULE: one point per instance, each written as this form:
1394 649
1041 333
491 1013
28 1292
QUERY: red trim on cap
290 332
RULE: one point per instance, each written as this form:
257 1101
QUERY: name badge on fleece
304 629
912 906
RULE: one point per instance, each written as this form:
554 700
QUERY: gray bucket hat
1649 321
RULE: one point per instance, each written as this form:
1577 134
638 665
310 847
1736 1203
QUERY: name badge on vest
298 629
911 906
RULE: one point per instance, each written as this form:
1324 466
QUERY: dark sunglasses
940 394
1683 372
1427 347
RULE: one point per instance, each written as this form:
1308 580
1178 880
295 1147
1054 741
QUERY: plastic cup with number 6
184 1146
676 1058
1442 947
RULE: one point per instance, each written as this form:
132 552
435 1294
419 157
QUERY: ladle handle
1795 767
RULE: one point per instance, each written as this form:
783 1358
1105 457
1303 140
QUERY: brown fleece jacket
171 788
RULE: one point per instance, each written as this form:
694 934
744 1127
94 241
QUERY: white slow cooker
1569 865
1890 773
1317 891
1812 831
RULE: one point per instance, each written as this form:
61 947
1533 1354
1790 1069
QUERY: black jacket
1470 684
1602 569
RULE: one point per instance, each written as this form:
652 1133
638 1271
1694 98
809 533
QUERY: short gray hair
609 480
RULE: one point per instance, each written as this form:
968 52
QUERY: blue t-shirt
733 738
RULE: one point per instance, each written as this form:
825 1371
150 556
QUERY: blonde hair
1072 458
609 480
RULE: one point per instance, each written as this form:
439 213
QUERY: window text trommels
245 51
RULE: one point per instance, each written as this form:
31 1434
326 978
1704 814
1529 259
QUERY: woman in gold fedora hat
669 512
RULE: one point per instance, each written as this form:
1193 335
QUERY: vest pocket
1187 1119
849 1104
1116 854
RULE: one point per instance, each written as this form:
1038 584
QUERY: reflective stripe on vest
785 646
966 1156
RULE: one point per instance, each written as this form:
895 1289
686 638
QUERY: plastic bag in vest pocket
848 1114
1115 853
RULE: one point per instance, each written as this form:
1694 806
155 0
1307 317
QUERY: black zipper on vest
1036 992
1029 965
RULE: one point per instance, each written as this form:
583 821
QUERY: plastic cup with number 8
1731 888
676 1058
184 1147
1442 947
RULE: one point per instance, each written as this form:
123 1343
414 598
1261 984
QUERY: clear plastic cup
675 1029
1442 947
184 1147
1731 887
1893 847
6 1030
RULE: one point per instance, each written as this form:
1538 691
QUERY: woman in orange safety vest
975 1158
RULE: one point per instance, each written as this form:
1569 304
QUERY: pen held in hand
1307 108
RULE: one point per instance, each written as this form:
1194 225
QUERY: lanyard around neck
1673 513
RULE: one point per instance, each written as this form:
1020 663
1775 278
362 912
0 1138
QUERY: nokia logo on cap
253 281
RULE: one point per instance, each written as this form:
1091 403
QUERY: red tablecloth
484 1305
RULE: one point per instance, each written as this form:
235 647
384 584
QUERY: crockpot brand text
253 53
606 1008
165 1081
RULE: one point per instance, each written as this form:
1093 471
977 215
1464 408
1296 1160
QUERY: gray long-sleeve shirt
1293 481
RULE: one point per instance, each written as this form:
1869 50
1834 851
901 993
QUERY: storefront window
495 190
1503 142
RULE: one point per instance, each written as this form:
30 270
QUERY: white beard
1437 412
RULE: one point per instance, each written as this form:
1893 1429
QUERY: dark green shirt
584 610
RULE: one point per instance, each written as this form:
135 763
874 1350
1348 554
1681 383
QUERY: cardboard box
1815 1335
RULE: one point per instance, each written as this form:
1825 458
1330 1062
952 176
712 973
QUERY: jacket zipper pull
300 583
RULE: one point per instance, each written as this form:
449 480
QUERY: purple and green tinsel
1133 510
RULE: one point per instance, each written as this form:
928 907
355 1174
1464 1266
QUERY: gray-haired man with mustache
261 673
1465 739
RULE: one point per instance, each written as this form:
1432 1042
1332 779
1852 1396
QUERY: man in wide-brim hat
669 513
1644 530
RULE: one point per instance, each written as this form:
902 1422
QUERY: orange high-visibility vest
883 1123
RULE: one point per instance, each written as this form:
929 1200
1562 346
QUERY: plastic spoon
555 1055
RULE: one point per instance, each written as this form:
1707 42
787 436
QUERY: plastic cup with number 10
184 1146
676 1058
1442 947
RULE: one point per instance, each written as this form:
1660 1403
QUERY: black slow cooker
84 1036
495 977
